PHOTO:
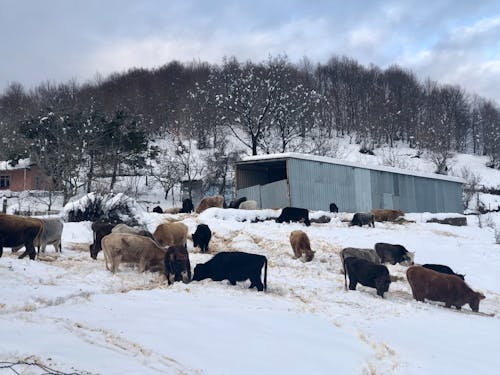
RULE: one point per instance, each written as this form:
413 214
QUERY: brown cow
436 286
386 215
171 234
207 202
301 246
130 248
177 265
99 229
20 231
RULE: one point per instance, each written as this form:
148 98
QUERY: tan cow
207 202
130 248
386 215
301 246
171 234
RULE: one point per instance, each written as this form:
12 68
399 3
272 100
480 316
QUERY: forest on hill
151 121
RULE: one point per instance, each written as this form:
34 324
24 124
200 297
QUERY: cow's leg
1 249
232 282
257 282
30 250
142 264
352 283
447 304
458 307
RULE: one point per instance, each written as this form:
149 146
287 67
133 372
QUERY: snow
21 164
71 314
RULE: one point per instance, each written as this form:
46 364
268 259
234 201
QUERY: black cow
201 237
235 203
366 273
363 218
187 206
158 210
234 266
443 269
334 208
289 214
99 229
393 254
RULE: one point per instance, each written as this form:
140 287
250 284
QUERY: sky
450 41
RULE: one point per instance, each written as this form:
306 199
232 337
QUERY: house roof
23 163
324 159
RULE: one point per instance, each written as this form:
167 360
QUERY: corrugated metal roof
324 159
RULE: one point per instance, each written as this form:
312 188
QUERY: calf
130 248
443 269
248 205
363 218
301 246
158 210
99 229
393 254
177 265
187 206
171 234
235 203
334 208
201 237
386 215
207 202
366 273
234 266
289 214
436 286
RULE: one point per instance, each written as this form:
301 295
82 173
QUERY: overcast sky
456 42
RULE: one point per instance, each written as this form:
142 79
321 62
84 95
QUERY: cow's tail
265 275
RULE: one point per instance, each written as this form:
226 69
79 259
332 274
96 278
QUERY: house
23 176
313 182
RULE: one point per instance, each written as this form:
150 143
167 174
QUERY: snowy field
71 314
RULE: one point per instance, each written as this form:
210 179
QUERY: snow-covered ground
71 314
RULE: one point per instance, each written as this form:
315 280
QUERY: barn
313 182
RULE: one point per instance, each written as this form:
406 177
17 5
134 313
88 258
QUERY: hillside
71 314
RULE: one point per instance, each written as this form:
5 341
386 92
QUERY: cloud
451 41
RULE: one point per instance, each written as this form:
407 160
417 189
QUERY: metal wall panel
315 185
252 193
274 195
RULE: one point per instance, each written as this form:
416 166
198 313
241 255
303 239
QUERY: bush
117 208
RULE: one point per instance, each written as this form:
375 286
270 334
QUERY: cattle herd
165 251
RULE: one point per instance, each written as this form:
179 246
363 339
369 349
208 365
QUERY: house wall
25 179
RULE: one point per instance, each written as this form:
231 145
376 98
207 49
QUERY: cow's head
200 272
179 263
408 258
382 284
196 239
94 250
475 299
